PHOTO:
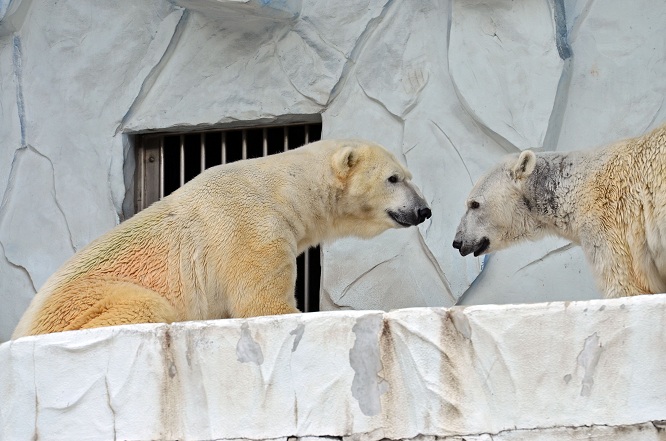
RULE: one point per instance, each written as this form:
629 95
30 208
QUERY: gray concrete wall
449 86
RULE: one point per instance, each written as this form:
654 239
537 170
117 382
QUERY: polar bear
225 244
611 201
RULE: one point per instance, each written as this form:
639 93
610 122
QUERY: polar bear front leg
265 293
614 269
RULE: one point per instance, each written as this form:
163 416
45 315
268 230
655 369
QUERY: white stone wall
589 370
449 86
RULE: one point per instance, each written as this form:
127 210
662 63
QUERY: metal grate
167 161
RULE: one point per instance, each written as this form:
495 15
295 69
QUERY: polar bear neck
550 191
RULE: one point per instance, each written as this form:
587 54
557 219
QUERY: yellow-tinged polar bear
611 201
225 244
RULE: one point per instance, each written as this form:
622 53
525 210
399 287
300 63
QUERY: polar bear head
375 191
499 213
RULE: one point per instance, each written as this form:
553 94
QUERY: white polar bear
225 244
611 201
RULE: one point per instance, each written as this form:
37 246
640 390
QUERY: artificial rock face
449 104
225 244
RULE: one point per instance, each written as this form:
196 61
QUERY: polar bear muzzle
408 218
478 247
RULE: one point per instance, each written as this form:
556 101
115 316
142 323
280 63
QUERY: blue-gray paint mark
588 360
18 80
298 334
248 350
561 35
365 359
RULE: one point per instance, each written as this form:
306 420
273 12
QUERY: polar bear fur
611 201
225 244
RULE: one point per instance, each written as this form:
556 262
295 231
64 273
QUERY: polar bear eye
393 179
474 205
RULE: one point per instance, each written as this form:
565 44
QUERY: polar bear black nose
457 244
424 213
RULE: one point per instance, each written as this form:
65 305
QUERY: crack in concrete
654 118
545 256
34 383
19 267
108 399
356 51
507 145
117 209
5 200
279 60
10 181
10 187
400 120
658 425
314 29
435 264
395 116
348 287
456 149
449 25
108 402
499 139
55 196
156 70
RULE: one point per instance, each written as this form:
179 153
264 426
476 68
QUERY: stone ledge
557 370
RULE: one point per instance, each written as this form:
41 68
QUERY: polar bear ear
524 166
343 160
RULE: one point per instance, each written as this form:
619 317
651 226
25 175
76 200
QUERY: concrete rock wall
449 86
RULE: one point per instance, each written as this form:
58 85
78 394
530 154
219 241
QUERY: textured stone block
555 371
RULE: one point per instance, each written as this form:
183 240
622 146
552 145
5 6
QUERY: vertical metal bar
151 157
141 179
244 146
307 133
286 138
224 147
265 141
161 167
306 281
203 151
182 160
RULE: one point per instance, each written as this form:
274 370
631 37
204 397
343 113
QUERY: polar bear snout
423 214
468 247
408 218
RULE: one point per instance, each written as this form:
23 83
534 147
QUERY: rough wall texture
449 86
589 370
